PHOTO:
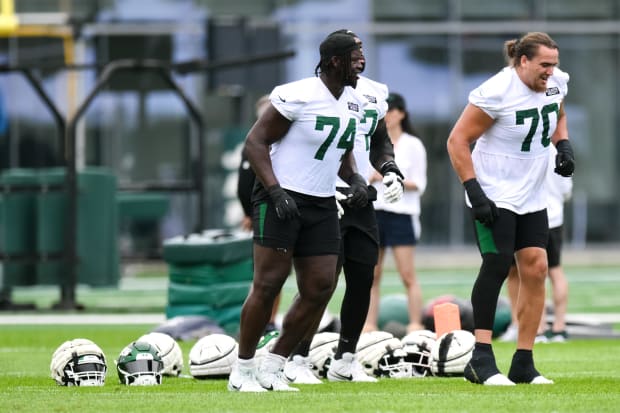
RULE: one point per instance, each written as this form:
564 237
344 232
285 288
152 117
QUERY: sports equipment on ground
511 334
393 309
382 355
466 311
322 349
451 353
213 356
299 371
169 351
139 364
188 327
348 368
418 345
78 362
556 336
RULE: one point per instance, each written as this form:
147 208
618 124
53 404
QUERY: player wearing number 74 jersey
303 140
513 117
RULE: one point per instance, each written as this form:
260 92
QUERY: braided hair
339 45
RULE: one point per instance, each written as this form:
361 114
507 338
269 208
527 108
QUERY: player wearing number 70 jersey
513 117
510 158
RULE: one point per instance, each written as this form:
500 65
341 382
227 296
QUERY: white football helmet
169 351
78 362
322 350
418 345
213 356
382 355
451 353
139 364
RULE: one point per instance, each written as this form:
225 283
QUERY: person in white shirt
559 190
399 222
303 140
512 117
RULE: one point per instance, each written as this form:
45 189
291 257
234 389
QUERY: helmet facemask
140 364
85 371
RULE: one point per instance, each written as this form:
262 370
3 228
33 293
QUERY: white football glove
340 197
394 188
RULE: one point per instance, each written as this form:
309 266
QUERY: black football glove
564 160
484 209
359 192
286 208
390 166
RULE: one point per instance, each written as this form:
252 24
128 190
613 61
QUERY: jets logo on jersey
371 99
353 106
552 91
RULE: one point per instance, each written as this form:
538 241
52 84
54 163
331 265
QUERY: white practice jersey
308 157
376 93
510 158
559 190
410 156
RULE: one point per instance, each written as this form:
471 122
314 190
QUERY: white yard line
34 319
154 318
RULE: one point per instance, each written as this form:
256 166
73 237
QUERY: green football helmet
140 364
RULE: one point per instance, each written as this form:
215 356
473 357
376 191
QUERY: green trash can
51 216
97 251
18 228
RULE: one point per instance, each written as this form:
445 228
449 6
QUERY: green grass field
586 372
586 375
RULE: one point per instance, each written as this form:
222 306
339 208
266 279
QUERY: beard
351 80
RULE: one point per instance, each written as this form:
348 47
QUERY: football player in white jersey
360 239
303 140
513 117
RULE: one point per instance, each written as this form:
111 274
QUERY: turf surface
585 371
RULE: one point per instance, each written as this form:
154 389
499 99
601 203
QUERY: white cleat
298 371
541 380
498 380
242 379
511 334
270 375
348 369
